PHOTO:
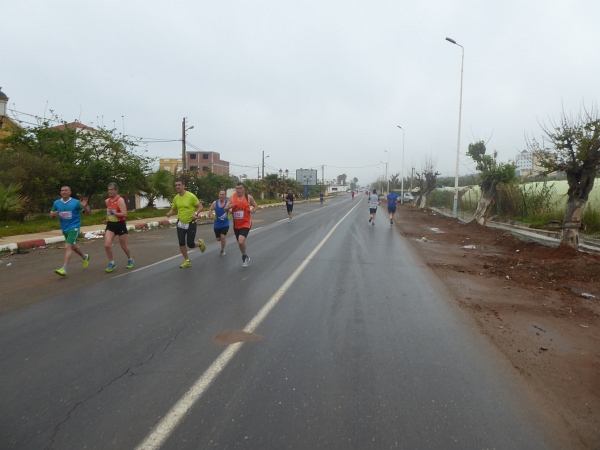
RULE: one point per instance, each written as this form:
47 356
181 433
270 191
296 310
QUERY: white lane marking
173 418
150 265
254 229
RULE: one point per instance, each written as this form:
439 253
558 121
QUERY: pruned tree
491 174
341 179
426 180
571 146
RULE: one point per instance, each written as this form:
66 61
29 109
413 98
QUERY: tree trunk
581 183
485 204
421 201
571 222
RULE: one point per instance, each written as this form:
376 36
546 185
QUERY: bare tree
572 146
426 180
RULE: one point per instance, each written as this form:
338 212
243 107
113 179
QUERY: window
193 167
205 168
167 168
193 156
205 156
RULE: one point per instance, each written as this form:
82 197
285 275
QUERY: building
205 161
171 164
526 164
7 125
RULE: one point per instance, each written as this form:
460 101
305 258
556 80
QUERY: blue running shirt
221 219
392 199
68 213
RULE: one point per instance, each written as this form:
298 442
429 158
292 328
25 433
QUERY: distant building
171 164
526 164
205 161
7 125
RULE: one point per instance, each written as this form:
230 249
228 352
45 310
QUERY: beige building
171 164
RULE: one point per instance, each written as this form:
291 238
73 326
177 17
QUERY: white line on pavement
150 265
175 415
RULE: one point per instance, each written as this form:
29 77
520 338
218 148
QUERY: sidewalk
544 237
13 243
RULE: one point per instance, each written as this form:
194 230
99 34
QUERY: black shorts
221 231
372 210
241 232
189 235
119 228
391 209
289 207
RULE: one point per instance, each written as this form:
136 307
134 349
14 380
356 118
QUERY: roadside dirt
538 305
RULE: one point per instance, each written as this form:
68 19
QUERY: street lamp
287 173
402 172
306 181
455 207
387 176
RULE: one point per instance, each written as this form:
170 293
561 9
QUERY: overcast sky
309 82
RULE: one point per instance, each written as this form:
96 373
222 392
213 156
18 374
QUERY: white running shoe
246 261
222 253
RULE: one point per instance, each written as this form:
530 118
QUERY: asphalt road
362 349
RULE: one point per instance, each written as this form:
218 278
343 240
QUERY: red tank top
113 205
240 211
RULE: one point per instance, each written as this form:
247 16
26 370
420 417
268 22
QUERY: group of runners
185 205
374 201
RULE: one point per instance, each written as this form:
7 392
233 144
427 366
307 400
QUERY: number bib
238 215
67 215
183 226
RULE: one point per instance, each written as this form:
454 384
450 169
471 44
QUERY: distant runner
392 199
221 221
116 213
374 202
321 197
241 206
68 210
289 199
352 195
188 209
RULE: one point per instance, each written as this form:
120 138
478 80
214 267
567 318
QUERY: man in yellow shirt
188 207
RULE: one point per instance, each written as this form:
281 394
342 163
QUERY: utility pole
411 179
263 165
183 161
322 177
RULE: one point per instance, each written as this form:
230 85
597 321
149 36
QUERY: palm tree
12 205
157 184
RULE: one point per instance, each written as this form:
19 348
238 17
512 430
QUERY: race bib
238 215
223 217
111 215
183 226
290 203
67 215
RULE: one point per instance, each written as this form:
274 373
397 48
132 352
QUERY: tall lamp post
402 173
455 207
306 180
387 174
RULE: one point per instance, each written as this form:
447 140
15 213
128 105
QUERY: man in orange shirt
116 214
241 206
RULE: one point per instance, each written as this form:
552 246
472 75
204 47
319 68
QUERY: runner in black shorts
289 203
116 213
220 219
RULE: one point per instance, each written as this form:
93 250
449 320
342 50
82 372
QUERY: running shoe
373 223
222 253
185 264
391 222
370 219
62 272
86 260
110 268
129 264
201 245
246 261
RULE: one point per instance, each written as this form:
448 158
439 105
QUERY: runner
392 199
289 199
374 202
352 195
242 205
184 204
116 212
321 197
68 210
221 221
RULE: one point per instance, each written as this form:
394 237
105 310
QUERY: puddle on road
469 246
231 337
436 230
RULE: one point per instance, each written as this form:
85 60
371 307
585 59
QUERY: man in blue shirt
220 220
392 199
68 210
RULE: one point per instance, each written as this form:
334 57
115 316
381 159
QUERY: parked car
408 196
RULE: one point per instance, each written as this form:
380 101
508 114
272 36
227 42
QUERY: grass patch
43 222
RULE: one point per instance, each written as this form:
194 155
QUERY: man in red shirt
241 206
